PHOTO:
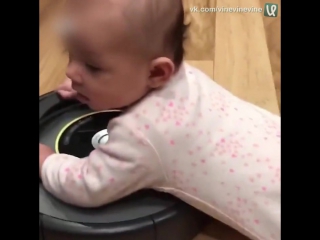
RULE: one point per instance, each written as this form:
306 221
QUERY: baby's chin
97 107
81 98
94 104
98 104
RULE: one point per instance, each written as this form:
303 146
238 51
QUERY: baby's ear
161 70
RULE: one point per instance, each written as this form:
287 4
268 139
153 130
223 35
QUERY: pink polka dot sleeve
124 165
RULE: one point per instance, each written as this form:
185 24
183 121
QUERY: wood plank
205 66
272 28
53 61
199 44
242 63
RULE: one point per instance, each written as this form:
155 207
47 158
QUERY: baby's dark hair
176 36
158 28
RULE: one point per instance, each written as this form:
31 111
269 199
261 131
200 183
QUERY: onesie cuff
50 165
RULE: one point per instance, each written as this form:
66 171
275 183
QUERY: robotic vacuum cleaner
72 128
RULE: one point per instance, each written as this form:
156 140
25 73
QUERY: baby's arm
124 165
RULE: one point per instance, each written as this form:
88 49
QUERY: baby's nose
76 81
73 73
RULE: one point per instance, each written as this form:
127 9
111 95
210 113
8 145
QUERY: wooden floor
240 44
241 51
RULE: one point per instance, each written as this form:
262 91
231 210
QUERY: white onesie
192 139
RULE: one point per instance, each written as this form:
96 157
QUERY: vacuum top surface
70 127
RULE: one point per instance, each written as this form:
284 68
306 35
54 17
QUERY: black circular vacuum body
70 127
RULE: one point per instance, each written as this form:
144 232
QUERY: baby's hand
44 153
65 90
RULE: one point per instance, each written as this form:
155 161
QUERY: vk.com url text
226 10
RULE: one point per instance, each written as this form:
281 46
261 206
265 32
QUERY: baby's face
107 79
104 73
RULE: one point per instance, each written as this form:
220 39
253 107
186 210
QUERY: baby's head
122 49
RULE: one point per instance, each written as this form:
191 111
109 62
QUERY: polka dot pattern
220 154
192 139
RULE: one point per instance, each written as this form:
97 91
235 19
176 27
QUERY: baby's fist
65 90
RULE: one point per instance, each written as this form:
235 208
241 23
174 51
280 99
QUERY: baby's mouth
82 98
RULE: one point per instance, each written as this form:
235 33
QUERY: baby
181 133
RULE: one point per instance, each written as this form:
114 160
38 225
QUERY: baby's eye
92 68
